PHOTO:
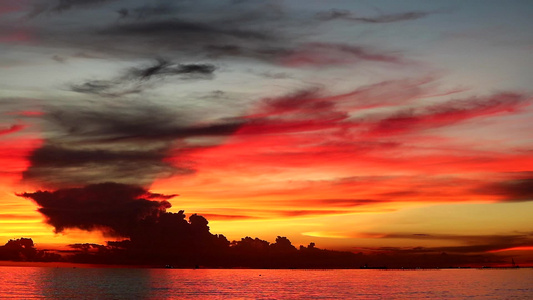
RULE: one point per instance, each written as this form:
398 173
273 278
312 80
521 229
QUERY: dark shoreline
111 266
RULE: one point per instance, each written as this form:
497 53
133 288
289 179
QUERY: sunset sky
357 125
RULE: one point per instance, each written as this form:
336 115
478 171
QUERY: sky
357 125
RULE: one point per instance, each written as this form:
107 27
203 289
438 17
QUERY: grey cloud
205 30
107 88
142 122
124 144
61 6
166 68
382 18
318 54
136 80
59 165
184 29
147 11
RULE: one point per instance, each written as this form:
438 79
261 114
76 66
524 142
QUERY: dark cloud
382 18
183 30
126 144
166 68
63 5
197 29
107 88
193 31
60 6
471 244
263 31
148 11
116 209
60 164
136 80
511 190
205 30
141 122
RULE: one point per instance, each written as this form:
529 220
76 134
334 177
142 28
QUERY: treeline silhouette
23 249
246 253
188 246
147 234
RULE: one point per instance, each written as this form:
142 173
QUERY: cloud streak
516 190
136 80
347 15
328 54
62 6
449 113
472 244
306 111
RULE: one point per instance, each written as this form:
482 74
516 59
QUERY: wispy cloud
136 80
149 11
347 15
449 113
321 54
61 6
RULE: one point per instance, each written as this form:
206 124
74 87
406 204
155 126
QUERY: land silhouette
147 234
245 253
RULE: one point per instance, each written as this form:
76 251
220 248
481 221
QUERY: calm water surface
71 283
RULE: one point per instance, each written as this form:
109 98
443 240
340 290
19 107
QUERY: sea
144 283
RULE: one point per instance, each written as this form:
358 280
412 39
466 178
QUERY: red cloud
12 129
335 136
13 157
448 113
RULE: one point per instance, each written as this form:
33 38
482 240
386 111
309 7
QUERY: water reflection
69 283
